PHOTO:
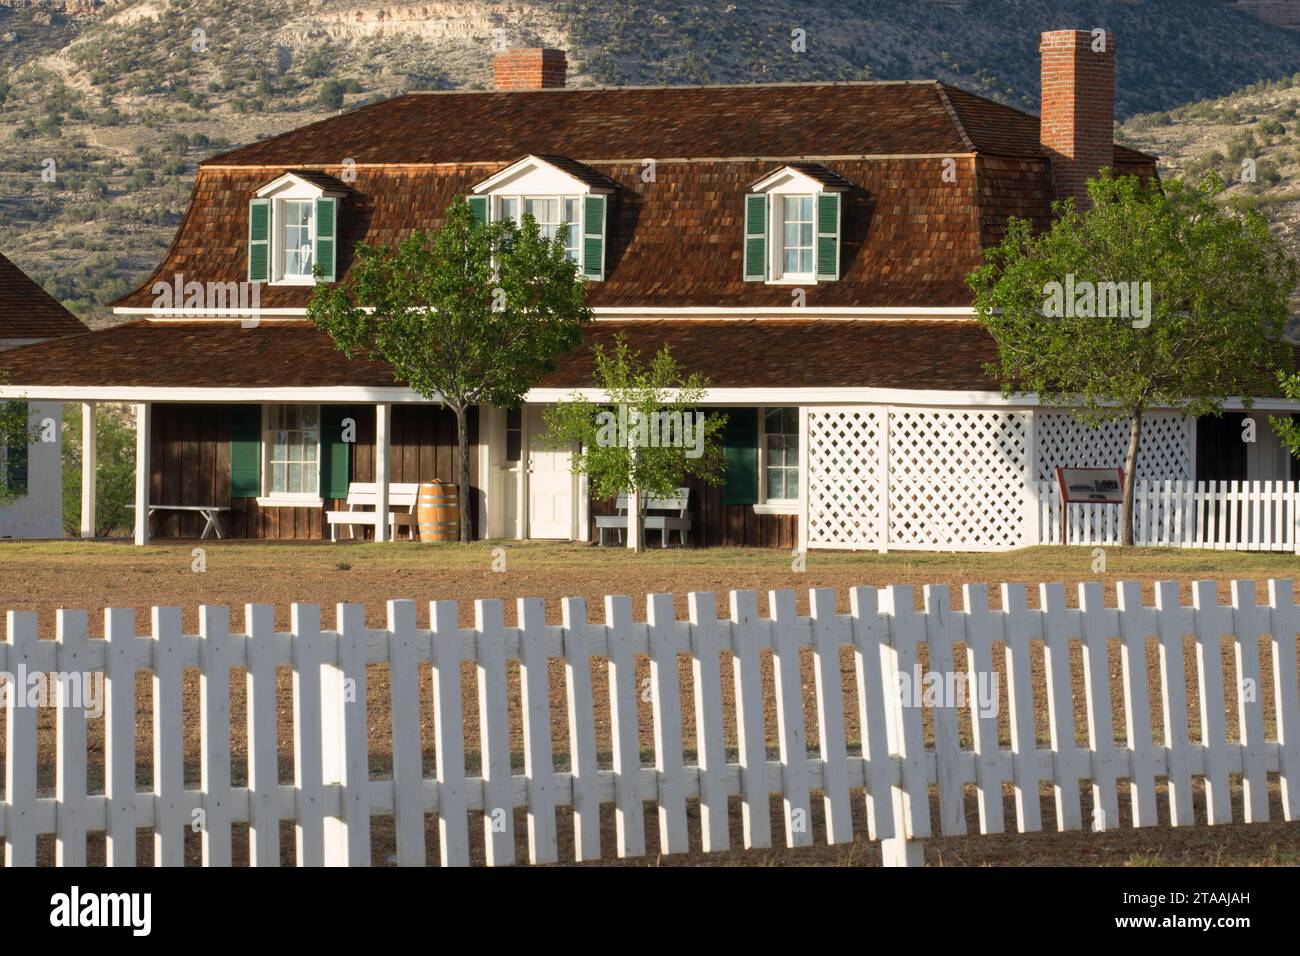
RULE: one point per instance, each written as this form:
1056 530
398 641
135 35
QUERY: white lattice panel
957 478
1164 453
844 477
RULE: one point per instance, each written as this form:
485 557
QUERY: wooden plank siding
190 465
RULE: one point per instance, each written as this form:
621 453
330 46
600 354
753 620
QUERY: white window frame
778 506
282 499
574 236
777 202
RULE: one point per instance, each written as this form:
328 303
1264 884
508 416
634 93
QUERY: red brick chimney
530 68
1078 108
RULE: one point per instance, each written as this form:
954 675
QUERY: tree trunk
462 472
1130 476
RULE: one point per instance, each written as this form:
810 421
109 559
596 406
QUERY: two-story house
804 246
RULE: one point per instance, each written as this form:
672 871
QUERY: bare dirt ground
45 577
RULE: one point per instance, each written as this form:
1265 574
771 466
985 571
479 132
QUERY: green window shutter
16 461
334 474
755 237
593 237
828 236
478 205
245 451
740 446
259 240
327 227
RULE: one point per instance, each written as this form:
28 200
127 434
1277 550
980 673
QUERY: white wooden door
550 484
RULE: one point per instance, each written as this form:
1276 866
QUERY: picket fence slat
907 738
706 676
453 808
875 709
1057 630
751 736
334 797
584 770
795 786
347 742
73 634
629 817
494 731
942 628
171 814
1173 624
263 737
1101 728
1247 627
214 730
1284 627
539 764
1136 622
1212 621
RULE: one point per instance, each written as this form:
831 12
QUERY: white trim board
401 395
631 313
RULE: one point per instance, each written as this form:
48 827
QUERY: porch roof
220 360
731 354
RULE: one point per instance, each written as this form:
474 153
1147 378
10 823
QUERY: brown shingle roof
731 354
910 234
909 238
29 312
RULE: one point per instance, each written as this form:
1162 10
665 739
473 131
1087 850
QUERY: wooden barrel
437 512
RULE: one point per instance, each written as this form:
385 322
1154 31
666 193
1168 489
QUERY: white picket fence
1223 515
334 795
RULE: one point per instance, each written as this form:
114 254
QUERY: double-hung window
297 237
797 237
780 456
552 214
291 454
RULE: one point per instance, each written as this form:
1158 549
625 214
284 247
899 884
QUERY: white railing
1223 515
335 795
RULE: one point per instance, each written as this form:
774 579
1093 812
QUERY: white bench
663 523
210 513
365 495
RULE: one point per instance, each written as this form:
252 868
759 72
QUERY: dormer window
559 194
792 226
292 227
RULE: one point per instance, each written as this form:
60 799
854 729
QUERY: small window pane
775 483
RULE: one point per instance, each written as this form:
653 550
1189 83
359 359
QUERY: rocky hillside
106 106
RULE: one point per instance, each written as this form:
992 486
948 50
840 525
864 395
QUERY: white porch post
805 442
1033 531
142 473
634 520
383 418
89 451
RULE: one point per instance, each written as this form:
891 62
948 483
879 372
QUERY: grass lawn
49 575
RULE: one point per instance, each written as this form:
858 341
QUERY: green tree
465 314
1207 288
114 471
645 433
15 432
